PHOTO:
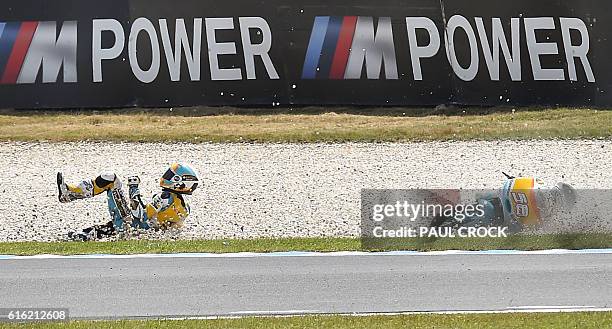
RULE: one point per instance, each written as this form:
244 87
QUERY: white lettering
97 52
139 25
543 48
576 51
181 42
262 49
498 39
417 52
220 48
469 73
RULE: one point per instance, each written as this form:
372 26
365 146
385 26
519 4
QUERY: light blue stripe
1 28
322 254
315 46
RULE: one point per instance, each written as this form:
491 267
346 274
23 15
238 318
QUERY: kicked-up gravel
279 190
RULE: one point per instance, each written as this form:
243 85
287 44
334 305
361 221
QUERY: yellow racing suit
166 209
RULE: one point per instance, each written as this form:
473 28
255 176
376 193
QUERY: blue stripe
329 46
2 24
7 40
322 254
315 45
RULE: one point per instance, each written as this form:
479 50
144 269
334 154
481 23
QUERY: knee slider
106 179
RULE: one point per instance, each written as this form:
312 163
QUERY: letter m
373 48
51 53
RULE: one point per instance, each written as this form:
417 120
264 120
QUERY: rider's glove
134 192
133 180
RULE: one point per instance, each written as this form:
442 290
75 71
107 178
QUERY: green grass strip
366 125
582 320
520 242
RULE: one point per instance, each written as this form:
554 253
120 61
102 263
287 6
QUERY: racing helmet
555 200
180 178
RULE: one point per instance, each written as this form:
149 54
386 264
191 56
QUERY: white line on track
315 254
301 313
543 307
288 312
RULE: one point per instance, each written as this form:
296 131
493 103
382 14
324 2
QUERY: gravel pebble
275 190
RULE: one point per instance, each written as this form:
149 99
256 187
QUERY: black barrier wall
117 53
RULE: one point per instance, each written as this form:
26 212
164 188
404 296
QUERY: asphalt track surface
175 286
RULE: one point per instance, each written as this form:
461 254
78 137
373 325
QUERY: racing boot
118 208
68 193
93 233
81 236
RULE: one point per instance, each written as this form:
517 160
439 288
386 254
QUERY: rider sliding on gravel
523 202
167 209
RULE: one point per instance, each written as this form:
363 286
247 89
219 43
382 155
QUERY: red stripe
20 49
343 47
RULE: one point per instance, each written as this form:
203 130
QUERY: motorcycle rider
522 202
167 208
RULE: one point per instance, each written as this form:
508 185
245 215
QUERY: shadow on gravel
448 110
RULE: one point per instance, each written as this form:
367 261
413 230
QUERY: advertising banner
154 53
